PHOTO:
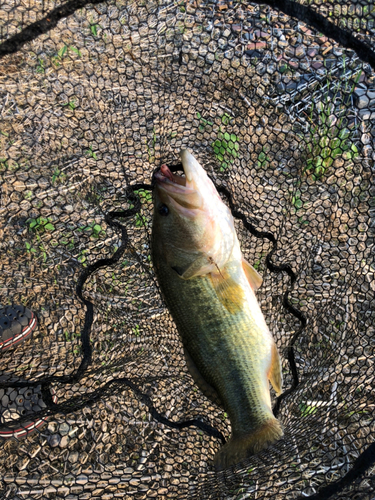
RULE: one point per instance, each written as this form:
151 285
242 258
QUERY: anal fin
204 386
275 373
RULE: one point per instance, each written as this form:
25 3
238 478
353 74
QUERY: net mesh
93 98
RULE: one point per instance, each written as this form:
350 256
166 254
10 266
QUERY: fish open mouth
165 174
180 191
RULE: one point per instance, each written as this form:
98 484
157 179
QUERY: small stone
317 65
366 114
253 53
82 479
291 86
256 45
337 52
306 30
361 101
69 208
19 186
300 51
73 457
54 440
312 52
289 52
64 429
64 442
265 35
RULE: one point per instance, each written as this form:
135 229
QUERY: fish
209 289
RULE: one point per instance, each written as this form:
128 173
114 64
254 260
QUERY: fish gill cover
277 102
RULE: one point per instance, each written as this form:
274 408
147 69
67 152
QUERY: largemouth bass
209 290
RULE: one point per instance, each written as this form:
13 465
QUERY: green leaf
61 53
225 119
49 227
198 115
97 228
233 137
327 162
261 156
227 136
76 51
230 145
222 150
217 143
344 134
217 150
298 203
336 152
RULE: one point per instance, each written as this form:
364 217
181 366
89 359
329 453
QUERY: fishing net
277 102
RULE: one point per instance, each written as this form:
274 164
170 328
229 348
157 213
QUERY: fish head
191 223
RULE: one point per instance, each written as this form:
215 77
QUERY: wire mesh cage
277 102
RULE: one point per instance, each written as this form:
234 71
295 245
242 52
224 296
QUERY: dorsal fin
254 279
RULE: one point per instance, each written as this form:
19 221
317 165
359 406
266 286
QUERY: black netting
93 98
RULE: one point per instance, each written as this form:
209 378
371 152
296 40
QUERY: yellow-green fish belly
232 351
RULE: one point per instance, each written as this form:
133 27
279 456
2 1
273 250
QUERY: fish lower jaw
240 447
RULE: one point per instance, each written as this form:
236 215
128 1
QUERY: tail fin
240 447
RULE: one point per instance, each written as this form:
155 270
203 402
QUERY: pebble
64 429
54 440
64 442
312 52
256 45
367 114
299 51
361 101
73 457
317 65
253 53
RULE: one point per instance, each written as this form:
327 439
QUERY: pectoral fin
275 373
204 386
199 267
253 277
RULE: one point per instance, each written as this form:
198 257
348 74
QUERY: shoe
19 402
16 324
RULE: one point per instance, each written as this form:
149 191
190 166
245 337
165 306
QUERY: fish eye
163 210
